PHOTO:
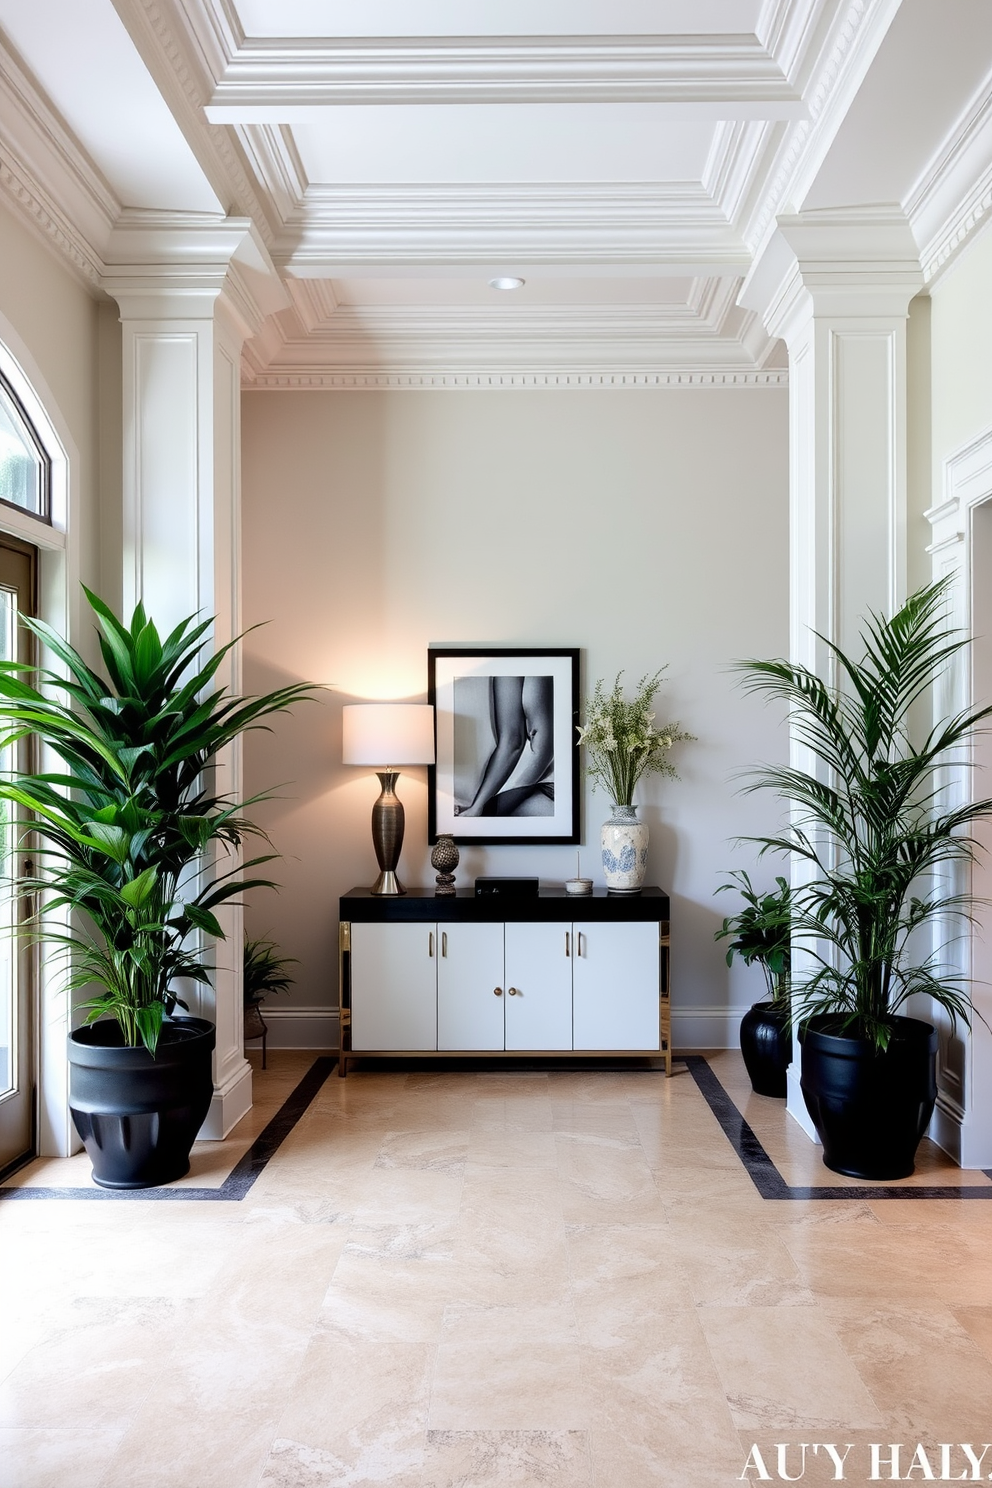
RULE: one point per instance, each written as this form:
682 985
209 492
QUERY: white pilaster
188 292
962 551
836 287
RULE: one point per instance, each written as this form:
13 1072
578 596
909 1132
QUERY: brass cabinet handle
430 943
444 942
512 992
579 943
497 991
568 944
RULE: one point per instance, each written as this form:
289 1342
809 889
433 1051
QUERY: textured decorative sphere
445 856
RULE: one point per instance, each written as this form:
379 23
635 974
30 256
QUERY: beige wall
57 320
643 526
962 353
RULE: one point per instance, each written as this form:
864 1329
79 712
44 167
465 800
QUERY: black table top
551 903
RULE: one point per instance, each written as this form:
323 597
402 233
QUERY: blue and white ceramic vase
625 851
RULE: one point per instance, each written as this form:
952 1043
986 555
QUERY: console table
495 976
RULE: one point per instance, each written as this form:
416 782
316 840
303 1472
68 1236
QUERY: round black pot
138 1116
766 1044
870 1109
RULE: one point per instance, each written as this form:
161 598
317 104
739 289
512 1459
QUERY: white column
188 297
836 288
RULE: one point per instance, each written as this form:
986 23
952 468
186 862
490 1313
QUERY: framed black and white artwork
507 744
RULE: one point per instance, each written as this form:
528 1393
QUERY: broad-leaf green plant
762 933
135 841
872 823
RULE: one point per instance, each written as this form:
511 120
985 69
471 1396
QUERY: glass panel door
17 586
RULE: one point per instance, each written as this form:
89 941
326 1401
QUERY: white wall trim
318 1028
695 1028
508 381
300 1028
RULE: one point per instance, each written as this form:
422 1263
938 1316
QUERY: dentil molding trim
507 382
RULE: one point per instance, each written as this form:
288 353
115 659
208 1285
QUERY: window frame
45 460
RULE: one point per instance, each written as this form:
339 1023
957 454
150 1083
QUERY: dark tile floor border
760 1168
241 1177
769 1181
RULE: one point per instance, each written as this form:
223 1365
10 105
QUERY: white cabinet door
393 987
616 987
538 986
470 990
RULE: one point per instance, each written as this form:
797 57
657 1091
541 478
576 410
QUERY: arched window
25 468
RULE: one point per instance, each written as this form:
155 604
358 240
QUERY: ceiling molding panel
325 340
268 78
345 229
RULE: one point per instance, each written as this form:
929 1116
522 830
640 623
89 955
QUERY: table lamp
385 735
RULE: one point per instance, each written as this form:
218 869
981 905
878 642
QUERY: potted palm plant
874 832
265 975
762 932
131 835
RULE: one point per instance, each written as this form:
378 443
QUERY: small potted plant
875 837
622 744
131 837
265 975
762 933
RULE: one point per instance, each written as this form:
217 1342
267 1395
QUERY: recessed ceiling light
506 283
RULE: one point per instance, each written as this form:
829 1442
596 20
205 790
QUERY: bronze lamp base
388 821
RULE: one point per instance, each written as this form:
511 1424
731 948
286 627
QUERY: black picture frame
461 686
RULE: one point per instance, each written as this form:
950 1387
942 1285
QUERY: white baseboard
317 1028
706 1028
231 1101
299 1028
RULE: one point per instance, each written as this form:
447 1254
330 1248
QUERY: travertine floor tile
518 1459
362 1407
56 1457
509 1369
452 1278
785 1369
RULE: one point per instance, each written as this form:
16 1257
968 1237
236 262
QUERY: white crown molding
510 382
954 192
837 64
49 179
269 79
181 67
354 228
321 342
275 161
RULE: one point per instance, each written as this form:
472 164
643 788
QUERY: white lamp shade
388 734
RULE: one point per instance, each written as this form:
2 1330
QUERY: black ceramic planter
766 1044
138 1116
870 1109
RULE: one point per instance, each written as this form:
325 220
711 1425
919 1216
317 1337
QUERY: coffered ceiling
625 158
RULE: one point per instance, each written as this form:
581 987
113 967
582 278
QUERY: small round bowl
578 886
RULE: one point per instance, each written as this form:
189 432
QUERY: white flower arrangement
621 740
